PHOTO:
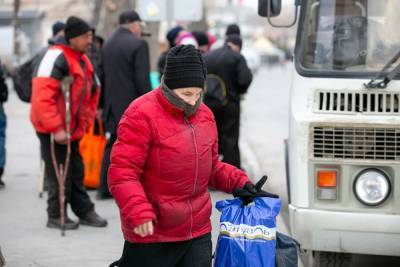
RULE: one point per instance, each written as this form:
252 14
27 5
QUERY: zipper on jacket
196 175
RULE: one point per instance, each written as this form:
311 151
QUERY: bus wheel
331 259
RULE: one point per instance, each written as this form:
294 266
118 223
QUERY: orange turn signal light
327 178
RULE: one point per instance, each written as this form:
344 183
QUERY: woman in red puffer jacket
164 160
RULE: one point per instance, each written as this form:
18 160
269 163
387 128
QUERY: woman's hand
144 229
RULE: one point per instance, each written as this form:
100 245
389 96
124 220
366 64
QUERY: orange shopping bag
91 148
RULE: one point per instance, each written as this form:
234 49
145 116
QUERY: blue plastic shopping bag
247 236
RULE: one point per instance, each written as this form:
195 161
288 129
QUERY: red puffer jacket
47 101
161 167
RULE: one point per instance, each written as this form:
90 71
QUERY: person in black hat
202 40
172 34
171 37
130 19
94 52
48 119
232 29
230 66
78 34
164 160
58 33
58 29
126 76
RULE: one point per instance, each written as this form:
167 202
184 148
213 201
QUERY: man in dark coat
126 68
228 64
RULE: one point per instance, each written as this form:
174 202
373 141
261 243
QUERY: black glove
250 191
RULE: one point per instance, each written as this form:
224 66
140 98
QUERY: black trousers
228 122
103 188
192 253
75 192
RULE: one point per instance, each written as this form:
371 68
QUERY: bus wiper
382 83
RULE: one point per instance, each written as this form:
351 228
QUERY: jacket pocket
172 214
202 210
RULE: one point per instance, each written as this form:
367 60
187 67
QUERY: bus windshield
348 35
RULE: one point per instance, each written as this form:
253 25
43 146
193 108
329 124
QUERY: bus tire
331 259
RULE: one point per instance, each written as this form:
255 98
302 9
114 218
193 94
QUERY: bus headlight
372 187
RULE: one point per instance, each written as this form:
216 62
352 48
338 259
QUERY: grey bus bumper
364 233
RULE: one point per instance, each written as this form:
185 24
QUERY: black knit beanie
57 27
201 38
75 27
184 67
232 29
172 34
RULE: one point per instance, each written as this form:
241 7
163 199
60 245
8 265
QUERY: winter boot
56 223
2 184
92 219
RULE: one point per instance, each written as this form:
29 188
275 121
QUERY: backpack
23 74
216 93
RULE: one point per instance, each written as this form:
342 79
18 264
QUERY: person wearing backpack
48 117
3 124
229 78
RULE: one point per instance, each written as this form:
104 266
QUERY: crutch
41 177
62 169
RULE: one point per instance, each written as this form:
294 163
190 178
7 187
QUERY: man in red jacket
48 113
164 160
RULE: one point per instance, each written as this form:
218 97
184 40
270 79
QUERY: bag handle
101 127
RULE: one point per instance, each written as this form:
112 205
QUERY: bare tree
96 12
16 24
107 13
201 25
154 47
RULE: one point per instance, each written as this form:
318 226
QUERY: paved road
25 240
265 127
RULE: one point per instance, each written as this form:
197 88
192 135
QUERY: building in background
35 20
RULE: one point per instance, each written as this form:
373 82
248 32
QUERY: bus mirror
274 9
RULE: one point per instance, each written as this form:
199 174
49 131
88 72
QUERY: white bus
343 149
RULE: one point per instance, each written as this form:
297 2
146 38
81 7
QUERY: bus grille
356 143
373 103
